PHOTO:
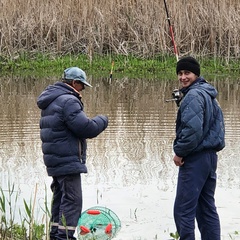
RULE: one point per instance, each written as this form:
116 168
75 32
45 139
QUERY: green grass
37 64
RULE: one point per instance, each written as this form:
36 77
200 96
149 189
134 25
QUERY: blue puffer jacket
64 130
200 123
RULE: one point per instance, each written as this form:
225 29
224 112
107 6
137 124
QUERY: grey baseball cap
75 73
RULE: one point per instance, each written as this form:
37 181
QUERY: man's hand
178 161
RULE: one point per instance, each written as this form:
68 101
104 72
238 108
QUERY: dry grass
139 27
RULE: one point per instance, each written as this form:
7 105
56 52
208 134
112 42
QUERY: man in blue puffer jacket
64 130
199 136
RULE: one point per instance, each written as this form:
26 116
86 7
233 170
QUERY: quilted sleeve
78 122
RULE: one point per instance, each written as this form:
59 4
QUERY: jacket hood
202 85
52 92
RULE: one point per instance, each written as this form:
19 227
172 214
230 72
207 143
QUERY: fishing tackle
176 96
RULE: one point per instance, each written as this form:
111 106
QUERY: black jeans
66 206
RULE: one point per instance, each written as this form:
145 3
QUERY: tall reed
203 27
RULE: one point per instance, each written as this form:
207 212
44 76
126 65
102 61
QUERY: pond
130 167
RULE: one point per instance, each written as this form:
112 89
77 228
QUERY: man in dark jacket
64 130
199 136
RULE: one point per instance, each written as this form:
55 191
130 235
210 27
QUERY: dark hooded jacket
200 123
64 130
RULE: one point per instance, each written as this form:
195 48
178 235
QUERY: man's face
186 78
78 85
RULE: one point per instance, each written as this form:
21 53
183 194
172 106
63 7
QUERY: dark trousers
66 206
195 197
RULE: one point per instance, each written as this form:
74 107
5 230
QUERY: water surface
130 163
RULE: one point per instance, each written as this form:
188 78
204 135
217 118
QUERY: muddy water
130 164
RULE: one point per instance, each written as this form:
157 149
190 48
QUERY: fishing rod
111 72
176 94
171 31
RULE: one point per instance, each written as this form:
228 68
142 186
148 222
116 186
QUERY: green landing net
98 223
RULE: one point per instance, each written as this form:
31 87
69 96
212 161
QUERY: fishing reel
176 96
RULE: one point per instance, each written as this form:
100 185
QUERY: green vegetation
175 235
100 66
28 228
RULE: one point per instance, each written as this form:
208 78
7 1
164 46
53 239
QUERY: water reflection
136 148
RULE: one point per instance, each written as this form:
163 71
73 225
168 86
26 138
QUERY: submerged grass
38 64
